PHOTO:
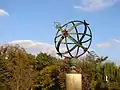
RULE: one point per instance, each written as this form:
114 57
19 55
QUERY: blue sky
33 20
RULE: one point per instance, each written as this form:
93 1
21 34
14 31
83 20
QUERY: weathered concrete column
73 82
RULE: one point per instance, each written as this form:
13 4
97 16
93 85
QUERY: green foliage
43 60
48 76
64 68
93 84
20 70
114 86
16 71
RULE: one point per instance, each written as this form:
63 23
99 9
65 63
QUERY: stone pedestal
73 82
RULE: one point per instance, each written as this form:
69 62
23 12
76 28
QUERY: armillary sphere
72 39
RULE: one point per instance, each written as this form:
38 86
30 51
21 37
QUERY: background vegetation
20 70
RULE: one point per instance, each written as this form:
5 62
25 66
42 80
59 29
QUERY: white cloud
109 43
3 13
103 45
116 40
94 5
37 47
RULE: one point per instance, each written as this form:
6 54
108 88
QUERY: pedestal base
73 82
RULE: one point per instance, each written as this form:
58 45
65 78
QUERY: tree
4 73
48 77
43 60
17 67
20 70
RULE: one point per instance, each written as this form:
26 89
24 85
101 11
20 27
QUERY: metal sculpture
71 37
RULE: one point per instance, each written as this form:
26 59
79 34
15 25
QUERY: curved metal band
77 37
68 47
58 45
75 42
